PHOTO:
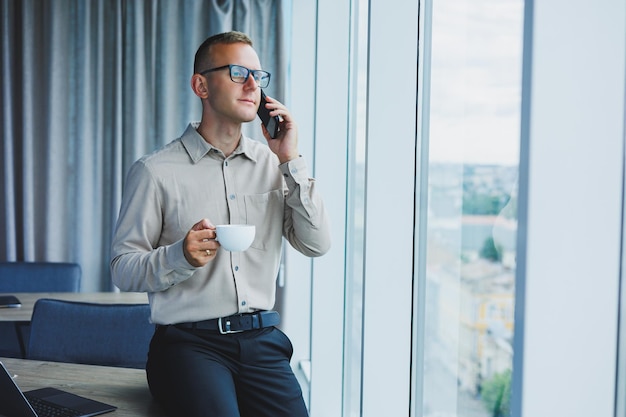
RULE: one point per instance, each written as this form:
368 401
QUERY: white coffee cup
235 237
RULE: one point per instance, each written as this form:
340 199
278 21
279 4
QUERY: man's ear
199 87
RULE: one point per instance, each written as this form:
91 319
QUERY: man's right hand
200 245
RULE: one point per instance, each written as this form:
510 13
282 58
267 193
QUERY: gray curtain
89 86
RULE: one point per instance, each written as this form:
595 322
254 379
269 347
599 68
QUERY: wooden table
28 299
124 388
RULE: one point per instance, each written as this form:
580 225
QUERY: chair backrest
39 277
90 333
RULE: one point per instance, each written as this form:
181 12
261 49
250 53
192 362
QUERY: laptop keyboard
46 409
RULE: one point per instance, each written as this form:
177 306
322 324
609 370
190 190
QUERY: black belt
236 323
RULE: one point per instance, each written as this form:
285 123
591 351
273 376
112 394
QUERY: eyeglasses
240 74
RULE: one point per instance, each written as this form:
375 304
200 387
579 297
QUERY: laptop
43 402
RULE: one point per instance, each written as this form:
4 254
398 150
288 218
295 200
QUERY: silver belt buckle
227 329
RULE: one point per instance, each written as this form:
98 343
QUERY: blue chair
90 333
39 277
32 277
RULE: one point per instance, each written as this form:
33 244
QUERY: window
468 244
455 339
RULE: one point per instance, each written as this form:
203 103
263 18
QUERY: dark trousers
206 374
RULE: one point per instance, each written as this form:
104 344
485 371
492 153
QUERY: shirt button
226 163
293 171
236 268
232 196
243 303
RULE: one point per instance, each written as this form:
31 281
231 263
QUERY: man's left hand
285 145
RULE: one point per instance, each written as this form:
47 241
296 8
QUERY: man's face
228 100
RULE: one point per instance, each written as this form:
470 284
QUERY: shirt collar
197 147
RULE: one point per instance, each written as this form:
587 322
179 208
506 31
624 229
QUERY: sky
476 81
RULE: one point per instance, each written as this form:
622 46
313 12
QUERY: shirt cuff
295 171
176 260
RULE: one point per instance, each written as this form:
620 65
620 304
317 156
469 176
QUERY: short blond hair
203 59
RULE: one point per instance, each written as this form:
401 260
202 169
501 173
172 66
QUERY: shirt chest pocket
266 212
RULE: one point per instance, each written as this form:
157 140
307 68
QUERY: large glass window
469 236
466 169
461 262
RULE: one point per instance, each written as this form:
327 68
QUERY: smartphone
9 301
271 123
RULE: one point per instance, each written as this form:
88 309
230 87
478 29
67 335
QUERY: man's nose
251 83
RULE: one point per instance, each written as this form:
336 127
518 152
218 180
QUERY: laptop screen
13 401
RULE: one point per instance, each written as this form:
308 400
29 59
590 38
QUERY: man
216 351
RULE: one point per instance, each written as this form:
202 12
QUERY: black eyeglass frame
259 80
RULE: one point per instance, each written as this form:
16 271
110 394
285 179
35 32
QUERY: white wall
391 154
391 167
571 176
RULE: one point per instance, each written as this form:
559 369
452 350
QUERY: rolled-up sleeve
306 222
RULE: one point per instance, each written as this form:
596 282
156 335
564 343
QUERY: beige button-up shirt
171 189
